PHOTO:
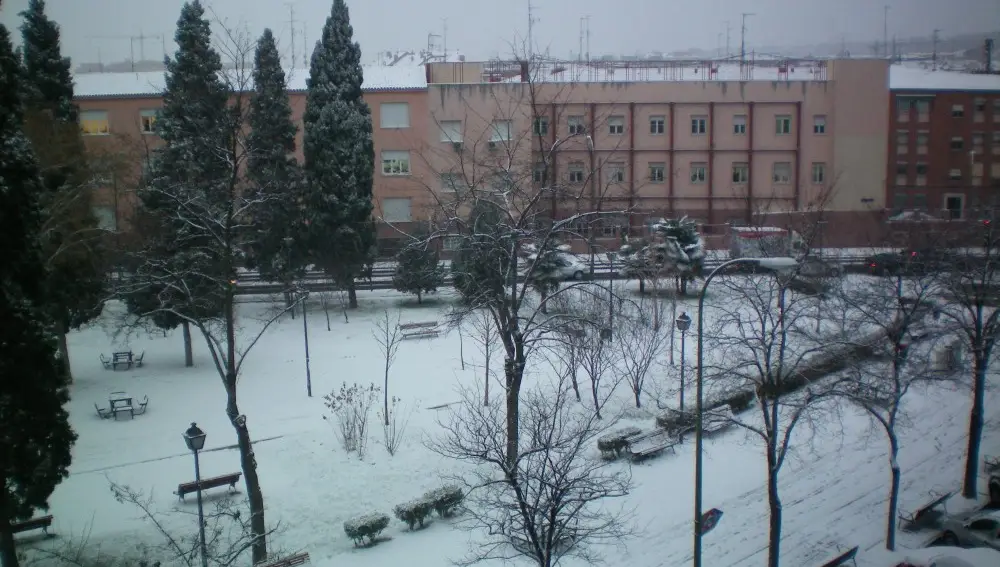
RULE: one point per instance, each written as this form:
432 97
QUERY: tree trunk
419 299
593 392
545 304
486 375
326 310
352 295
8 553
774 505
385 391
969 487
637 391
64 350
188 353
890 528
513 371
642 286
572 375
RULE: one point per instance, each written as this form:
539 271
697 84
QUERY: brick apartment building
945 144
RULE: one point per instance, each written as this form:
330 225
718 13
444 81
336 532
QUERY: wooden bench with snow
843 558
613 444
188 487
419 330
652 443
927 516
33 524
290 561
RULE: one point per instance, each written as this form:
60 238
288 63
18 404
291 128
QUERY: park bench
137 361
33 524
123 408
105 361
103 413
290 561
651 443
142 406
612 444
206 483
843 558
419 330
121 359
926 516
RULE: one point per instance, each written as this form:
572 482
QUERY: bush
351 408
675 421
367 527
414 512
446 499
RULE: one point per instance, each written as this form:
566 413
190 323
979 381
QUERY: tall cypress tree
274 175
71 240
35 447
339 155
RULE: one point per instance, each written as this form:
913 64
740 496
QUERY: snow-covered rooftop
907 77
151 83
638 71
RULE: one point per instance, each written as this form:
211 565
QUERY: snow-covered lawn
833 486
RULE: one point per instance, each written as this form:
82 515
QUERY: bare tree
388 336
554 500
640 344
487 340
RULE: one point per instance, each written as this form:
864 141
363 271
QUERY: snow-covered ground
833 485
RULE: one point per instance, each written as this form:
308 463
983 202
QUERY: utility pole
579 52
444 38
934 40
728 29
885 31
743 37
587 20
291 25
531 28
718 45
305 47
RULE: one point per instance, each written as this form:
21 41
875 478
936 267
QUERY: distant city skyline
482 30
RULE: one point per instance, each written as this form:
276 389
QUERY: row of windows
781 173
923 108
95 122
657 125
956 143
954 174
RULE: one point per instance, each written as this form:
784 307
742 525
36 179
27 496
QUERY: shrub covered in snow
365 527
414 512
446 499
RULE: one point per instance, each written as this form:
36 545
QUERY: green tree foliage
544 275
417 269
339 156
36 444
479 269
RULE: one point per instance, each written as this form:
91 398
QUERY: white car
979 530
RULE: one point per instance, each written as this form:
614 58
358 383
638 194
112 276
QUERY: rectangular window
957 143
450 182
540 126
958 110
451 131
954 204
656 172
782 173
576 125
657 125
699 173
616 125
538 174
899 201
819 124
955 174
699 125
740 124
395 162
980 104
923 137
105 216
616 172
902 168
147 120
921 168
396 210
902 142
452 243
782 125
818 173
923 111
919 201
500 131
394 115
978 141
576 172
903 105
741 172
94 123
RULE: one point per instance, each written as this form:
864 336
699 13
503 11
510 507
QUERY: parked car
979 530
920 262
571 267
813 267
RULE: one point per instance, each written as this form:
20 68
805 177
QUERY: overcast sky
482 29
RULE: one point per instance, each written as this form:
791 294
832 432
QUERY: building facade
944 158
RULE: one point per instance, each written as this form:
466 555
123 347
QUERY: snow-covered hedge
446 499
414 512
365 527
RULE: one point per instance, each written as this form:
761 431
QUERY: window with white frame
818 173
957 143
955 174
450 182
819 124
699 172
500 131
540 126
616 172
452 243
576 125
782 124
656 172
147 120
740 124
923 137
699 125
923 110
978 141
105 216
657 125
94 123
741 172
539 173
576 172
395 162
782 173
616 125
451 131
958 110
394 115
396 209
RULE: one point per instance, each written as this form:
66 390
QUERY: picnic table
122 402
123 358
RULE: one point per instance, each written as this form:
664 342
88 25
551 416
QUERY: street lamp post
683 324
195 440
771 263
305 338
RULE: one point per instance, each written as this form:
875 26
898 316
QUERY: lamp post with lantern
194 437
683 323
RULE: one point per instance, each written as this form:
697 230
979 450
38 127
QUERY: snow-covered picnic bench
927 516
419 330
613 444
652 443
290 561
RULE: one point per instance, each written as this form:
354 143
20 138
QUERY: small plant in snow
414 512
393 425
351 406
446 499
367 527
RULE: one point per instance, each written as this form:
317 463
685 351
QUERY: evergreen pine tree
72 243
339 156
478 267
544 275
274 175
417 269
35 449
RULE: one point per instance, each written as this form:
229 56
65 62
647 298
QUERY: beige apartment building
721 143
